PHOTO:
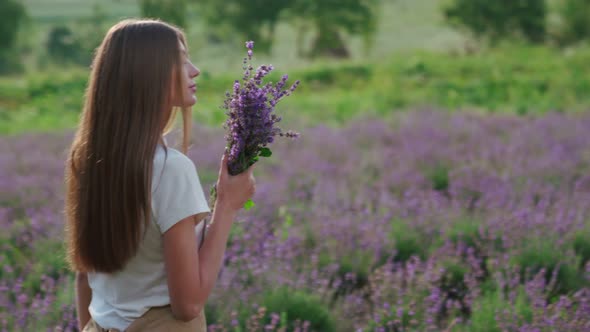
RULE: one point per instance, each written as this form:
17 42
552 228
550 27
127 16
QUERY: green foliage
537 80
542 255
575 15
212 312
284 227
296 304
407 240
454 288
330 18
50 262
486 307
439 177
581 244
467 232
171 11
250 20
74 43
10 62
471 232
343 76
453 278
63 46
12 16
257 20
500 19
353 271
265 152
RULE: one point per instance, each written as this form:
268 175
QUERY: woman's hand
234 191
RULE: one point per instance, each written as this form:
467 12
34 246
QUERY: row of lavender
432 222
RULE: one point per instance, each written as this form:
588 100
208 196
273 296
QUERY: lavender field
429 222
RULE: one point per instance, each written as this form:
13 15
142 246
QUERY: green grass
519 80
416 61
488 306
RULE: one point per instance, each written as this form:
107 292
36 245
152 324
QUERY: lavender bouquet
251 123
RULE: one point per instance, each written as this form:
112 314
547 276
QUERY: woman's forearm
213 248
83 297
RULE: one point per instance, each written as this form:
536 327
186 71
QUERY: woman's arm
83 297
192 273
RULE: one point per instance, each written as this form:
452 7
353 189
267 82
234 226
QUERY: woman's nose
195 72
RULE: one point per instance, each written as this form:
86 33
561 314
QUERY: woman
132 203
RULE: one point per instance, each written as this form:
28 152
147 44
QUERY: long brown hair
128 108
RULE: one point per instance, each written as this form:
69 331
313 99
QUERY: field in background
511 80
403 25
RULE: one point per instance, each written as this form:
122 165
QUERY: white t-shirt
120 298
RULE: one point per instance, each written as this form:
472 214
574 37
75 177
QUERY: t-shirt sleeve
178 193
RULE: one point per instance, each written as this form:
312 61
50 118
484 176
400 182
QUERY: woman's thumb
223 165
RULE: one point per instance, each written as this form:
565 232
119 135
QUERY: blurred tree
500 19
249 19
12 15
575 15
75 43
171 11
63 46
257 19
331 18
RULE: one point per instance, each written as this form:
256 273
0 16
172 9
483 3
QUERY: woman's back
119 298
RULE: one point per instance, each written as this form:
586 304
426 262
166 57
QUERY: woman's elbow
187 313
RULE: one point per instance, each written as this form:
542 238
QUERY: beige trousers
158 319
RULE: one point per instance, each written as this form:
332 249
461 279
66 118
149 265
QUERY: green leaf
249 204
265 152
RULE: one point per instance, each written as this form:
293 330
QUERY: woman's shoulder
171 156
172 161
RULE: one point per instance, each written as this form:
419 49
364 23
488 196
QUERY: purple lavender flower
251 122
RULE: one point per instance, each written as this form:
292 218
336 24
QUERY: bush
295 306
454 289
12 16
500 19
581 246
486 308
439 177
542 255
64 47
171 11
352 274
10 62
408 242
575 15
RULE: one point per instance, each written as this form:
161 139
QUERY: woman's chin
191 101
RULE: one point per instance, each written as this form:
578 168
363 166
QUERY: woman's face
189 87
